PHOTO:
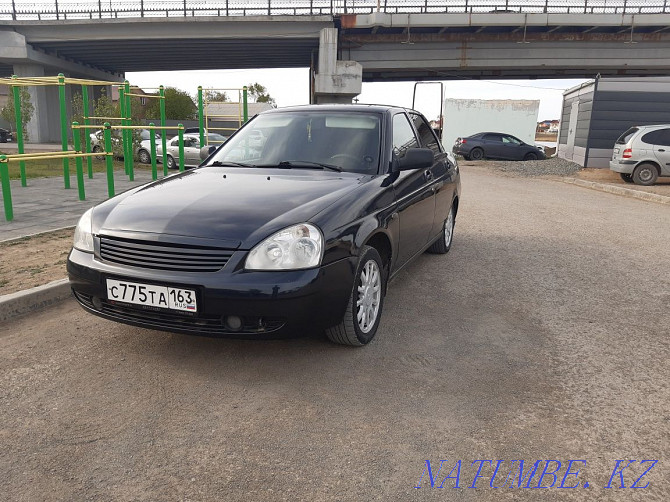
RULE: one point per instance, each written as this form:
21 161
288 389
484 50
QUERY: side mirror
206 151
416 158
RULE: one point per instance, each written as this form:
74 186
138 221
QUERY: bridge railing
114 9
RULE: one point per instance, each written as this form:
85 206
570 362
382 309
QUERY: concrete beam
336 81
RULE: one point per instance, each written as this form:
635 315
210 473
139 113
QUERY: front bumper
271 304
622 166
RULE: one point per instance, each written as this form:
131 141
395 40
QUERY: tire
645 174
628 178
144 157
530 156
171 164
97 149
352 330
476 154
443 244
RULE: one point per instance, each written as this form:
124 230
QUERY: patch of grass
3 282
54 167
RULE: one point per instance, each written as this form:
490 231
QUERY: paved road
544 334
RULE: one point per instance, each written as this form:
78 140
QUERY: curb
29 300
38 234
626 192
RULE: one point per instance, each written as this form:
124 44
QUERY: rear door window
625 137
659 137
493 137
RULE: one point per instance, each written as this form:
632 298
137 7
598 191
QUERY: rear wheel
628 178
645 174
443 244
171 163
364 310
476 154
97 149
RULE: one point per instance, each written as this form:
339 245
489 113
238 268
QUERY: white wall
463 117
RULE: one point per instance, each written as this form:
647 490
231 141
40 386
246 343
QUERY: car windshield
347 141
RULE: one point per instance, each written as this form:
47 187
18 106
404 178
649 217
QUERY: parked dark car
299 234
495 145
5 135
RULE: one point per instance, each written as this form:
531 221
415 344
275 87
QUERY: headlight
83 237
299 246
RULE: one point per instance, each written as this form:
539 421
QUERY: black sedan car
5 135
495 145
298 233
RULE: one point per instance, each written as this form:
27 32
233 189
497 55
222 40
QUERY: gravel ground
553 166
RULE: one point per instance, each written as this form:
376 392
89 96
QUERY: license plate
151 295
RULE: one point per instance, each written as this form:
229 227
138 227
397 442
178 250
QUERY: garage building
597 112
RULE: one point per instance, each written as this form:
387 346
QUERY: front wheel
530 156
97 149
171 164
443 244
364 309
144 157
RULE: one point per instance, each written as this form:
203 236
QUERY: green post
6 189
63 128
19 129
181 147
245 108
129 135
109 159
87 135
78 160
152 141
161 92
201 117
122 105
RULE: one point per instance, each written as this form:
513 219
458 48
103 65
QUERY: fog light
97 303
233 323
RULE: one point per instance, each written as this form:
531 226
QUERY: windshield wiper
227 163
306 164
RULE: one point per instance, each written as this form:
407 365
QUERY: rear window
660 137
625 137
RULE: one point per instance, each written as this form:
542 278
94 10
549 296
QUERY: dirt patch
662 186
34 261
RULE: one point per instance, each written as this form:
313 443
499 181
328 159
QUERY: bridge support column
44 126
336 81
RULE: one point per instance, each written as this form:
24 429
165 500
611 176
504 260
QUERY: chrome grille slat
163 255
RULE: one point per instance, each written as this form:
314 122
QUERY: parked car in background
495 145
191 149
5 135
98 143
642 154
302 235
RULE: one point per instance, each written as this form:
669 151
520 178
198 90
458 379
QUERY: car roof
653 126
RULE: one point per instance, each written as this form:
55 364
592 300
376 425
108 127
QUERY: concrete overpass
434 40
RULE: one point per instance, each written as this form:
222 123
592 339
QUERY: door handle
428 174
661 149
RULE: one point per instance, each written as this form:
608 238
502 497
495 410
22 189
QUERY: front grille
170 321
163 256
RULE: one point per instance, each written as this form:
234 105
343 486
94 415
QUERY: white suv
642 154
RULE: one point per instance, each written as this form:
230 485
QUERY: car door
511 149
191 151
443 172
662 150
493 146
415 200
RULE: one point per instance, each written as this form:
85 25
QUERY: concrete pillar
43 122
336 81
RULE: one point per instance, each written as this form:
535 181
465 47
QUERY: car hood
236 207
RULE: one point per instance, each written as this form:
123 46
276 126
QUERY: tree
259 94
27 110
179 105
216 96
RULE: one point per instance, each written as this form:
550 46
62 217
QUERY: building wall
463 117
617 105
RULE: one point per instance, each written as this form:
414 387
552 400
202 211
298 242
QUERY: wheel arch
649 161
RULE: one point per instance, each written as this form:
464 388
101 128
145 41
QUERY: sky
291 87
